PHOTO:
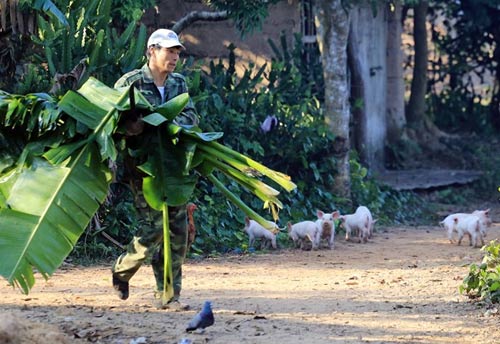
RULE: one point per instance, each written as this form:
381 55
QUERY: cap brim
171 45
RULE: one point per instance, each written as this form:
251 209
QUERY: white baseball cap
165 39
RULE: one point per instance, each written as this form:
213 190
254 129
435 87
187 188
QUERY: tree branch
193 16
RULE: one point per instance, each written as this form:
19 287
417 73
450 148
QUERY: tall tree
396 119
416 105
332 27
420 127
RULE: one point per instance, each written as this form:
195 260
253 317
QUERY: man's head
163 51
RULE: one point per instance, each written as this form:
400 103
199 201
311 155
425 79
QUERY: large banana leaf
48 207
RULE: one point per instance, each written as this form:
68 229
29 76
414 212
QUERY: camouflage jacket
175 84
142 79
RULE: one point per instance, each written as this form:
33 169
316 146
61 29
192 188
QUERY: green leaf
496 285
59 154
154 119
78 107
96 105
48 209
54 204
167 168
173 107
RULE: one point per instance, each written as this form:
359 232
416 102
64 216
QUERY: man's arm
133 124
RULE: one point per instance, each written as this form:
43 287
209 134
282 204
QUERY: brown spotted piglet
326 227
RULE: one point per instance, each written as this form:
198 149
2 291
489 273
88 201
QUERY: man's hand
134 127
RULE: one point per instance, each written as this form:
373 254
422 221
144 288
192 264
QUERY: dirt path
402 287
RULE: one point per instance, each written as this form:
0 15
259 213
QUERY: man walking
157 81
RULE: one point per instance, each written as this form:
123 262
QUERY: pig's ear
486 212
289 225
336 214
247 220
320 214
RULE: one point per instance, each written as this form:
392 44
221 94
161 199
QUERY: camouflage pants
150 243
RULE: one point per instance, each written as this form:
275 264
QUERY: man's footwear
173 305
121 288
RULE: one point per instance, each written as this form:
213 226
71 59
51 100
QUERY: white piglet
451 221
302 232
361 221
473 226
326 227
256 231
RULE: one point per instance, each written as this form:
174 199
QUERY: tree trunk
396 120
332 27
420 127
495 101
416 105
367 58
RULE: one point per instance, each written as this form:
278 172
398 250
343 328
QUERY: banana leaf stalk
239 203
168 278
227 153
240 168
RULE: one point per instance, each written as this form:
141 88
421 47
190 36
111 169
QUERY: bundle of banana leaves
55 170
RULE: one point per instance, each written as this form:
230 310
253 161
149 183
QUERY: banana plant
50 190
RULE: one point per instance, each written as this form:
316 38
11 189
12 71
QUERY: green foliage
218 223
248 15
467 54
126 11
48 7
87 32
32 76
483 281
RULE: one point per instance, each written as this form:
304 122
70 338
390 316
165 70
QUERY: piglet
326 227
451 221
361 221
256 231
473 226
303 231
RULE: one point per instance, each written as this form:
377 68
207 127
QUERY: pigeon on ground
203 319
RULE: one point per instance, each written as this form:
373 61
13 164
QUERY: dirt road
402 287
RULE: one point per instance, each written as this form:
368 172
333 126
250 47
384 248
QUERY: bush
483 281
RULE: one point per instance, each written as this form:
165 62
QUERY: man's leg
129 262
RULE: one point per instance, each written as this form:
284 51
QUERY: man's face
165 59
